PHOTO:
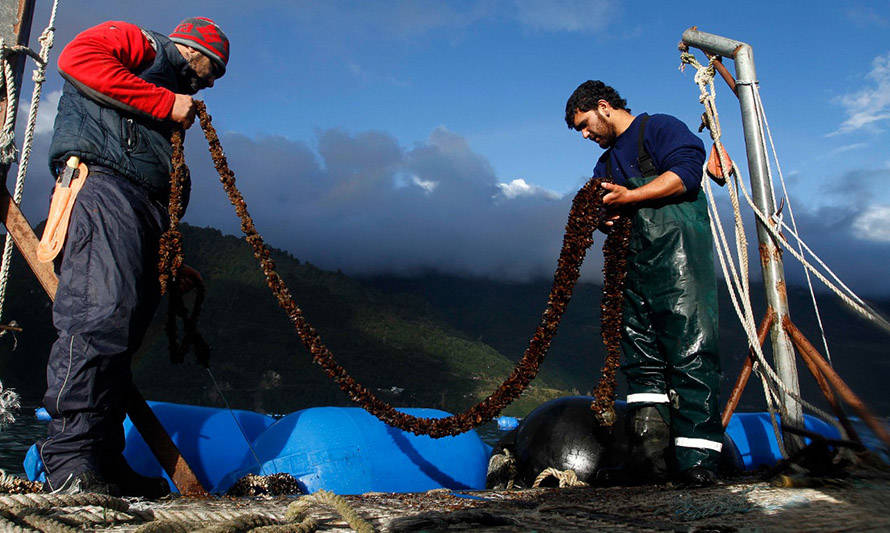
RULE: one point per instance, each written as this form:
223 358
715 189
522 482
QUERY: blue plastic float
506 423
755 439
208 438
348 451
343 449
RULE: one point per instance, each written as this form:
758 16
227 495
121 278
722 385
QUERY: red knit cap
204 35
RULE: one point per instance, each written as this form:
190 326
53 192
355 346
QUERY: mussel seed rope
585 216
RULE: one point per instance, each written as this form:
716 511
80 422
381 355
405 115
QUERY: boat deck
849 505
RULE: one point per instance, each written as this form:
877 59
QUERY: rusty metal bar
727 77
825 387
20 229
162 446
745 373
839 384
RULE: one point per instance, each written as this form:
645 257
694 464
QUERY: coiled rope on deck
565 478
585 216
50 512
299 510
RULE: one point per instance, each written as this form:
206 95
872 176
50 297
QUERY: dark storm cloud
365 205
835 233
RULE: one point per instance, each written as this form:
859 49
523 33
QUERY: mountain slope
504 315
396 347
431 340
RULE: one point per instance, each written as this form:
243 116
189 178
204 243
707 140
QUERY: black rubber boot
84 482
649 438
698 476
134 484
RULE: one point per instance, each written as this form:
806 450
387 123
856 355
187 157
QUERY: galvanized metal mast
770 253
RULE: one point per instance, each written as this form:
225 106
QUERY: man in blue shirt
669 338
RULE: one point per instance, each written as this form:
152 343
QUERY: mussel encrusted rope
170 260
584 217
611 317
170 252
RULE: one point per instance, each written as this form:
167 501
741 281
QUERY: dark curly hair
587 95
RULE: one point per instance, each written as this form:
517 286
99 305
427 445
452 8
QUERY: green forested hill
432 340
503 315
392 343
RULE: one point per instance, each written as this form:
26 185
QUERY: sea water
17 438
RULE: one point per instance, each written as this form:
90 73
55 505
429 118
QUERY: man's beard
193 82
610 134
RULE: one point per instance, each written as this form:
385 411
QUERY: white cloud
519 187
427 185
866 16
565 15
843 149
868 106
874 223
46 113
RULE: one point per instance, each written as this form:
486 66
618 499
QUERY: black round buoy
564 434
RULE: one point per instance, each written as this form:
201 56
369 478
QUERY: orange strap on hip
68 185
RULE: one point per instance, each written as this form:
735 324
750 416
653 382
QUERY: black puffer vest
104 132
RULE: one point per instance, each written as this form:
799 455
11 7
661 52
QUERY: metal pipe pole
770 252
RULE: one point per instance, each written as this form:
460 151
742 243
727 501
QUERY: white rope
746 315
7 138
761 114
10 403
735 281
566 478
705 77
850 298
847 295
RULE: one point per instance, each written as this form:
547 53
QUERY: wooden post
15 29
162 446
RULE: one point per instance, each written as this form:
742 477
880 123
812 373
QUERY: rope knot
47 38
8 151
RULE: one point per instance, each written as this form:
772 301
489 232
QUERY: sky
407 136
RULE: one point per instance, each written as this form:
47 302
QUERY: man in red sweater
127 90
